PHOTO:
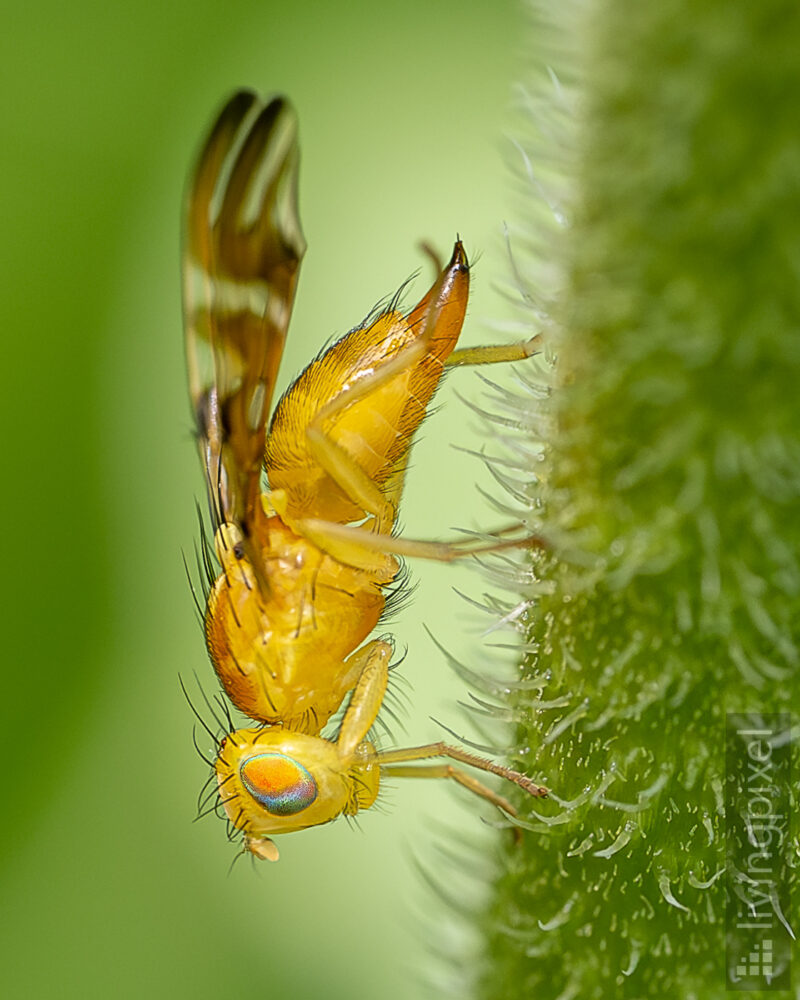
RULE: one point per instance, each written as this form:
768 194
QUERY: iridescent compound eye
281 785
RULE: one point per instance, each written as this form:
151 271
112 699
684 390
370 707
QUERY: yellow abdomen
376 430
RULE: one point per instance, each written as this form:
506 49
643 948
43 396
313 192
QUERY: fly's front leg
371 666
408 754
448 771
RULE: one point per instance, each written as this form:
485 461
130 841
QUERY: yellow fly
306 564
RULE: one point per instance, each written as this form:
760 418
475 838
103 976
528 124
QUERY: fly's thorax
266 671
280 657
273 780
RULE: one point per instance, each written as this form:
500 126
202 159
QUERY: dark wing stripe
209 169
242 253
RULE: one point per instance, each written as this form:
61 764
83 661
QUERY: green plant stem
670 494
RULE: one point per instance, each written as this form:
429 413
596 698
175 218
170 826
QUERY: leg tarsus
448 771
440 749
495 353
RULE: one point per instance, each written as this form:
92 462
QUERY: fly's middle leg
397 763
349 543
448 771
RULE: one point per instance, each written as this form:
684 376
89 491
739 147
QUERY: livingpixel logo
759 938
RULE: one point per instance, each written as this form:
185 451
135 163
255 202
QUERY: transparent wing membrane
242 250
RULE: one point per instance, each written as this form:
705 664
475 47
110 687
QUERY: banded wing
242 250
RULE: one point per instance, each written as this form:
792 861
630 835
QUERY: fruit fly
307 561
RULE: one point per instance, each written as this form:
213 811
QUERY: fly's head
273 780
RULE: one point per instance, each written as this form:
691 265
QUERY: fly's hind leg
495 353
340 465
336 460
372 547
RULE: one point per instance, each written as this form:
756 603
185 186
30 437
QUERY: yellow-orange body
336 793
281 656
307 563
376 431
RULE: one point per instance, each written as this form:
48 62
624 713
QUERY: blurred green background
107 888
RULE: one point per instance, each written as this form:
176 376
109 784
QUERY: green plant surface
669 491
